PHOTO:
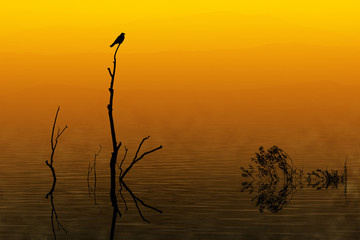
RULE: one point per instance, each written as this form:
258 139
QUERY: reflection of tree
273 179
54 142
116 146
273 196
92 169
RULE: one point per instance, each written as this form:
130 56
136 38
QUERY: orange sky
292 65
185 44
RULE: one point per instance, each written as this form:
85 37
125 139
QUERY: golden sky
187 43
302 57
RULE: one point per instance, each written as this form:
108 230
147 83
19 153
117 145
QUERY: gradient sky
292 66
193 43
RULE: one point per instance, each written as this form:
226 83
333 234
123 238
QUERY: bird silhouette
119 39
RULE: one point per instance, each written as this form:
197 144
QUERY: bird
119 39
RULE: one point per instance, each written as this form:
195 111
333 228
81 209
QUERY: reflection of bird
119 39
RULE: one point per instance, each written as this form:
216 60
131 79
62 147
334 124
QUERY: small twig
53 128
146 153
110 72
141 143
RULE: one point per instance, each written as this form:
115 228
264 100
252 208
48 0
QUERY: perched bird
119 39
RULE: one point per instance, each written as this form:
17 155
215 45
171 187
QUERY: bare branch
137 152
53 148
110 72
61 132
53 128
118 146
136 158
146 153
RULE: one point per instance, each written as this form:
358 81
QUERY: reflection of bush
273 179
320 179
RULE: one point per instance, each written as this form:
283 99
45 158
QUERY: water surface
195 179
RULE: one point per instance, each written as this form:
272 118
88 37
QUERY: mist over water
195 179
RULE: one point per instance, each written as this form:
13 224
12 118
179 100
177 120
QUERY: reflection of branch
93 169
122 161
345 178
136 158
122 197
121 171
136 200
53 213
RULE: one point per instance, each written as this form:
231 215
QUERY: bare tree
54 141
116 146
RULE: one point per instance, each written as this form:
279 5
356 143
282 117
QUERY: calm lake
195 179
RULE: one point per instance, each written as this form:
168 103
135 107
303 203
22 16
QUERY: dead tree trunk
116 146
